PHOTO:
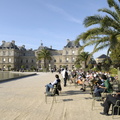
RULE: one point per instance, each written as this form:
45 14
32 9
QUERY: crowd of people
99 82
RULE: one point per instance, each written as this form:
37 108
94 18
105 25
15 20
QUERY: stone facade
12 56
61 58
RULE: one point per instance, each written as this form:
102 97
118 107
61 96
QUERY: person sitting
98 82
105 88
51 85
110 100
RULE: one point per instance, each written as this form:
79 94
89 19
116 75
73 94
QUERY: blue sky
29 22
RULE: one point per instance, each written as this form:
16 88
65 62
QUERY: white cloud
63 13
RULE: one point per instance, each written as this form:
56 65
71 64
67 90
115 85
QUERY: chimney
68 40
23 46
3 41
13 41
41 44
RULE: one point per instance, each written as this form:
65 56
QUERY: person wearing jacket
106 87
110 100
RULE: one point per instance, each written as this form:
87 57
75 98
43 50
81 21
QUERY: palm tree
44 55
106 63
106 34
82 57
115 56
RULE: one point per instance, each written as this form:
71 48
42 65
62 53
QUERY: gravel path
24 99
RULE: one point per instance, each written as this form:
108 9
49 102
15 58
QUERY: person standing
65 76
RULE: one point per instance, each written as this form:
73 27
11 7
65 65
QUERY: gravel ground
24 99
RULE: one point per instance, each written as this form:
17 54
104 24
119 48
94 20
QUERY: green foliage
90 66
95 69
115 56
106 64
78 66
45 55
22 66
113 71
82 57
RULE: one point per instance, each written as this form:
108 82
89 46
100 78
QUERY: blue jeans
98 92
48 86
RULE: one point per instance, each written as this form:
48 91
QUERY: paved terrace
24 99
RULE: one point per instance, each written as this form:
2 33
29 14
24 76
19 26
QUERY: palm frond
108 22
112 13
92 20
113 3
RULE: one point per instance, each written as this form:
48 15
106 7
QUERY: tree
44 55
22 67
8 66
115 56
106 64
106 29
82 57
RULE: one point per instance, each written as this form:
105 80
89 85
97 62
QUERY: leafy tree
8 66
106 29
82 57
44 55
115 56
23 67
106 64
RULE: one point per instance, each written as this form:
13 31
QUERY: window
73 59
9 52
9 60
67 59
66 52
4 52
54 60
60 60
73 52
26 61
3 59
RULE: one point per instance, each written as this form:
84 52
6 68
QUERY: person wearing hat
110 100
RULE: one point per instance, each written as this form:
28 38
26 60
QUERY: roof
22 48
8 45
103 56
72 44
44 47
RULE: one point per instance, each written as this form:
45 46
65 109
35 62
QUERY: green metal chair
117 105
51 94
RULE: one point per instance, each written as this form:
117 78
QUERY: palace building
16 57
